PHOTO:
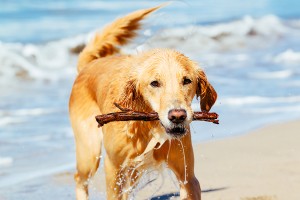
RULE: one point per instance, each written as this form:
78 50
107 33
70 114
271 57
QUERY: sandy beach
261 165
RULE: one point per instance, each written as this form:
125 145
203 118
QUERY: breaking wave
57 59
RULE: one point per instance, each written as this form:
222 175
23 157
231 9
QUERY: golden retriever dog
160 80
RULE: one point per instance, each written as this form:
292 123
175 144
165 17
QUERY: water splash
184 162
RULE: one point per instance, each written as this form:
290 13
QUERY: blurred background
250 51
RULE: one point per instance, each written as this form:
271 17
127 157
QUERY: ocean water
250 52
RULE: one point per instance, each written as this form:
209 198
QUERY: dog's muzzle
176 130
177 118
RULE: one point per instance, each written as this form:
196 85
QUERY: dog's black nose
177 115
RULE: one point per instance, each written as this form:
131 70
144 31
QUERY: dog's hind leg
88 138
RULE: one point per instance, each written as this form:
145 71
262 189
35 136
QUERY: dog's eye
155 84
186 81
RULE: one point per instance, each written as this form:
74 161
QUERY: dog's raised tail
114 35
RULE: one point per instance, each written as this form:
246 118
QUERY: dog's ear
130 97
205 90
129 94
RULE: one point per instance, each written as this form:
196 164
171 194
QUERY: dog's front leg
180 160
190 189
119 180
114 180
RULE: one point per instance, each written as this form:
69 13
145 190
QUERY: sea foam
281 74
5 161
288 57
255 100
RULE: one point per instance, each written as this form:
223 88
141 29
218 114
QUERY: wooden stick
128 115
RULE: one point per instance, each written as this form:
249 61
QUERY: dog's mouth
176 130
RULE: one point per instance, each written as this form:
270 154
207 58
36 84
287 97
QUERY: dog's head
166 82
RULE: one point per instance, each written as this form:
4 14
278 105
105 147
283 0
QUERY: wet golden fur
106 77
